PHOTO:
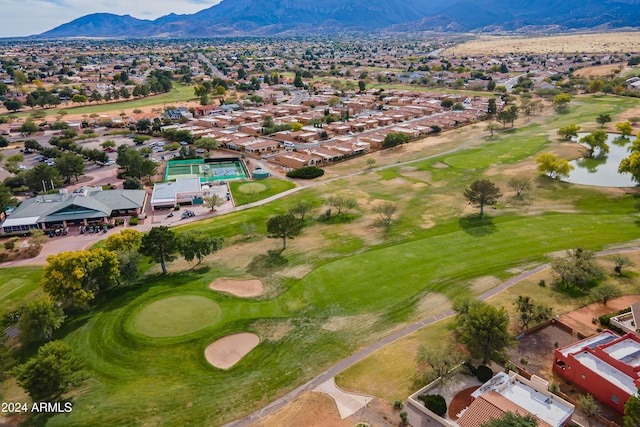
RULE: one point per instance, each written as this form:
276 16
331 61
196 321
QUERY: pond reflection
602 169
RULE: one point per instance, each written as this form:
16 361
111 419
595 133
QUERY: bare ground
573 43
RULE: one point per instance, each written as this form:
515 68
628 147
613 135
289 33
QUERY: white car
23 167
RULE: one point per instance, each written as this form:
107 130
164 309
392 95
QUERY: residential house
514 393
605 365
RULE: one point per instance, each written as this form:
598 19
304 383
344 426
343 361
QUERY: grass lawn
179 93
248 192
339 286
175 316
18 284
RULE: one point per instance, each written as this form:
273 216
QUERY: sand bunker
227 351
238 287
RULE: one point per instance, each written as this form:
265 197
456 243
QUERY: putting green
175 316
252 188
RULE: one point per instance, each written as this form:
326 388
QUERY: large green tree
74 278
70 165
51 373
284 227
42 177
551 165
569 131
126 240
28 127
39 318
206 143
579 269
597 139
482 193
196 244
160 243
484 330
394 139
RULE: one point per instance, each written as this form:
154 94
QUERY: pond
602 169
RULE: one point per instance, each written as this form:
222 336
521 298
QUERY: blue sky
27 17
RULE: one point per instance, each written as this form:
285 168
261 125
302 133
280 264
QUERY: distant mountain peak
262 17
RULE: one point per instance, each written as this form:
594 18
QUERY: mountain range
296 17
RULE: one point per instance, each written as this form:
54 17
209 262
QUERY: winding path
401 333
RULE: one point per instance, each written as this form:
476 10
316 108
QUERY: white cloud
28 17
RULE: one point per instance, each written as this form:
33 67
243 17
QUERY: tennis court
212 170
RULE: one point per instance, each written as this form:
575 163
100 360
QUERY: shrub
11 243
469 369
132 183
484 373
398 404
435 403
605 319
133 221
308 172
404 418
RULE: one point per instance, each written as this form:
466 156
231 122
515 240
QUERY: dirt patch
460 401
588 43
297 271
484 283
419 185
241 288
601 70
534 352
309 409
440 165
229 350
432 304
342 323
273 330
427 222
581 319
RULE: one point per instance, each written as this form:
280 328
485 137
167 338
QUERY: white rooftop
543 406
167 191
613 375
590 342
626 351
546 406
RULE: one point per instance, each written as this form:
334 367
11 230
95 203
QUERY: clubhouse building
85 206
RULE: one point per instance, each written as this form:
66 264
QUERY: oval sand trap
238 287
227 351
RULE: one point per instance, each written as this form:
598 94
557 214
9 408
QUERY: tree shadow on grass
265 264
477 226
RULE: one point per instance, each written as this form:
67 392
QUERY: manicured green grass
248 192
175 316
505 149
18 284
